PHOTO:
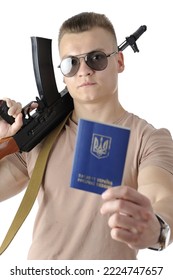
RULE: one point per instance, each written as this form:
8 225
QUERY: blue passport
99 157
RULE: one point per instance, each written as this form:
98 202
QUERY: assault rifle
53 106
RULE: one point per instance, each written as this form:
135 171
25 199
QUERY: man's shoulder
141 128
135 122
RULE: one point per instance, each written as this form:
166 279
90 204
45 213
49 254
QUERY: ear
121 65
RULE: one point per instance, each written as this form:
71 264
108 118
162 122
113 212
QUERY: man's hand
7 130
130 217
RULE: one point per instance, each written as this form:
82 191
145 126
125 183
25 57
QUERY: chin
91 99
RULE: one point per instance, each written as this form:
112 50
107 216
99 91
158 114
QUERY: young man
74 224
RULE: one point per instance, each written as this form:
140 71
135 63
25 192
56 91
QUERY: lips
86 84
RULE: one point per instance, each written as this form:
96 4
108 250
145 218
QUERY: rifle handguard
8 146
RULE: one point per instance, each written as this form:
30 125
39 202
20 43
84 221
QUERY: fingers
125 207
127 220
136 234
130 216
126 193
127 223
17 124
34 105
125 236
7 130
14 107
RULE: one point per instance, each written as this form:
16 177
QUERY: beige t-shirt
68 224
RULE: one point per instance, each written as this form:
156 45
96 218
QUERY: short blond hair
84 22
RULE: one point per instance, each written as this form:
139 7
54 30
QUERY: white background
145 87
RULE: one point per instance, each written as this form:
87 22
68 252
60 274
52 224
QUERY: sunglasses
96 60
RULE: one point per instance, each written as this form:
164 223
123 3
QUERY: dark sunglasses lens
97 60
69 66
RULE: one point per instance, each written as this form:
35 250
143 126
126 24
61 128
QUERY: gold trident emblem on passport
100 146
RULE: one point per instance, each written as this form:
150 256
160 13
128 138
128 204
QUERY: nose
84 69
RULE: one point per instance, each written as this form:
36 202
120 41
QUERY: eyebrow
77 55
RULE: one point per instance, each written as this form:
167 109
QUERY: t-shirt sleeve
157 150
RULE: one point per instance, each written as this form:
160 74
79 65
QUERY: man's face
89 85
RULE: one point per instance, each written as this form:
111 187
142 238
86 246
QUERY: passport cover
99 157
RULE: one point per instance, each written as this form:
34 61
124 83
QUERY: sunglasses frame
85 56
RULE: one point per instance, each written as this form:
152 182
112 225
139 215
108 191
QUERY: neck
108 110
